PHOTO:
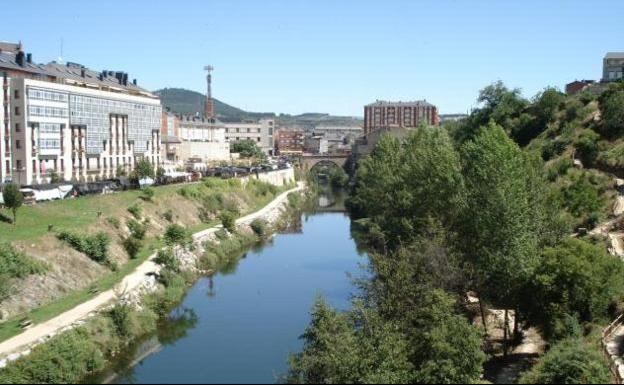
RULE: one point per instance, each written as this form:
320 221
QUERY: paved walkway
42 331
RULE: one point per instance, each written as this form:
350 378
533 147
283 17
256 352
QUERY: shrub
168 215
120 315
135 210
148 194
228 220
167 259
259 227
14 264
569 362
137 230
113 222
95 247
132 246
66 358
612 109
176 235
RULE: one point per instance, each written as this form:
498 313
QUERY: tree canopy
247 149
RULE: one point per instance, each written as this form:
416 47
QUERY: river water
240 325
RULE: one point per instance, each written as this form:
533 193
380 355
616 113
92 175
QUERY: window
18 165
16 94
18 128
18 144
17 111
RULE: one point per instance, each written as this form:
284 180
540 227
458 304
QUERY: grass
76 214
11 328
69 214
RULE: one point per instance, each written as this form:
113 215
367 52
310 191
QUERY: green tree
247 149
402 186
13 199
508 217
612 110
354 347
569 362
575 278
498 103
144 169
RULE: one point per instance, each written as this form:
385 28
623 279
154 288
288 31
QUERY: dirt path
41 332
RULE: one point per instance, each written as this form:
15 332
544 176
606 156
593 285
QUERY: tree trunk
505 334
14 217
517 325
483 316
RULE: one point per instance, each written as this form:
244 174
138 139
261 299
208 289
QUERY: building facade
202 138
73 122
260 132
316 144
383 115
5 131
290 142
613 67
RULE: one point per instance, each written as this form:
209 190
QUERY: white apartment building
5 130
202 139
260 132
82 125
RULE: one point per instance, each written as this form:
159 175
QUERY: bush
168 215
137 230
95 247
612 109
148 194
176 235
15 264
132 246
587 147
167 259
228 220
135 210
569 362
120 315
113 222
66 358
259 227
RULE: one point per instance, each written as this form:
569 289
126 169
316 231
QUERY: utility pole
209 107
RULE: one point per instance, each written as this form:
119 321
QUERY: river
240 325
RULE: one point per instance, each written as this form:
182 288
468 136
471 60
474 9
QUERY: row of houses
72 121
82 125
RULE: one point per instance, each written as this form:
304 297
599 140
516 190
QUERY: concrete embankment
133 285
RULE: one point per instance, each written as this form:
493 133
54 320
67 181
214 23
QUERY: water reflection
246 319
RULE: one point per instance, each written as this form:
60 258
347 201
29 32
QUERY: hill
186 102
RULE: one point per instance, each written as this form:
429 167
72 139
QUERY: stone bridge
311 161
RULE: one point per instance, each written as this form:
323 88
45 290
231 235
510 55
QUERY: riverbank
72 277
142 279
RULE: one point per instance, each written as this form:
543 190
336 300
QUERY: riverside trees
445 217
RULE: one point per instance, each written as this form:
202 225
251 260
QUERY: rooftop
12 58
614 55
384 103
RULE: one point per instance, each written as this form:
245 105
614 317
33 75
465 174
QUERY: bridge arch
313 161
325 163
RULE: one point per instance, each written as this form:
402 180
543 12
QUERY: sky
333 56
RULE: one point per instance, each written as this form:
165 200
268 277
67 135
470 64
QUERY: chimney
134 81
125 79
19 58
29 58
82 72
